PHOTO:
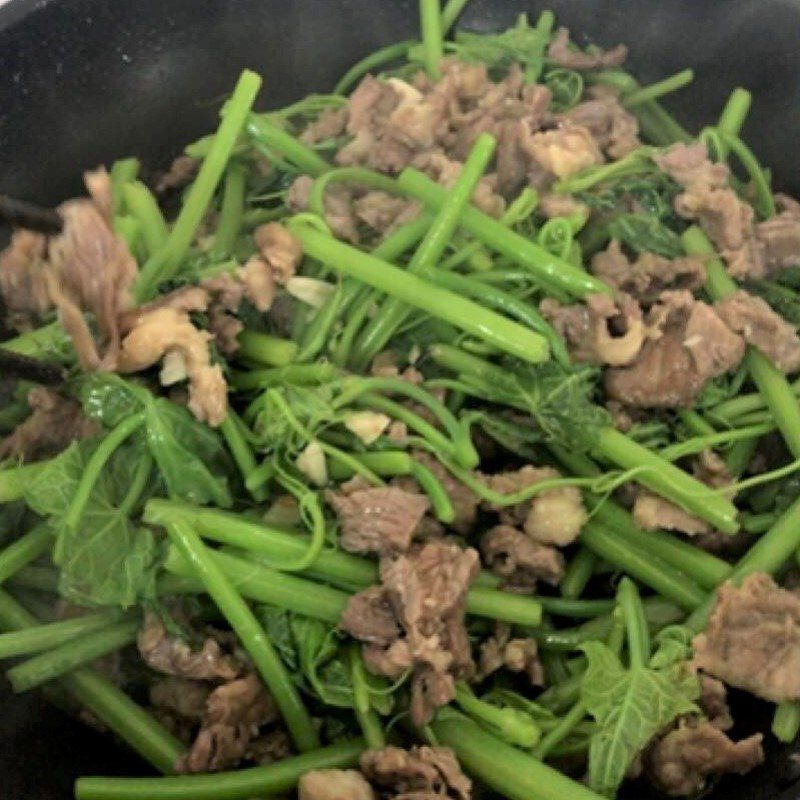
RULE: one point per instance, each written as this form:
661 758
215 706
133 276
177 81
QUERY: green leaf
109 399
645 233
322 661
277 624
630 708
673 646
566 89
51 490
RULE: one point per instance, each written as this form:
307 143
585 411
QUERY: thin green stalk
357 175
48 342
431 249
231 429
636 627
552 272
266 349
764 201
464 314
122 171
735 112
129 230
578 574
45 637
696 423
250 633
507 770
786 722
565 727
697 444
739 455
655 90
96 464
450 14
430 19
768 554
25 550
136 487
144 207
165 264
72 654
231 212
368 720
510 724
259 582
272 138
377 59
771 382
242 784
642 565
515 609
290 375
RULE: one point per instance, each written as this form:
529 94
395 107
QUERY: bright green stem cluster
509 724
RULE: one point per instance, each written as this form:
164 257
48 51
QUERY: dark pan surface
85 81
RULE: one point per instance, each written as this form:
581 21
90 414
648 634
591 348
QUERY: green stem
368 720
464 314
735 112
786 722
231 429
739 455
166 263
450 13
122 171
659 89
377 59
357 175
699 443
136 487
272 138
431 249
25 550
579 573
290 375
250 633
261 583
72 654
565 727
432 40
503 768
144 208
45 637
231 212
512 725
266 349
243 784
515 609
96 464
771 382
552 272
14 480
638 632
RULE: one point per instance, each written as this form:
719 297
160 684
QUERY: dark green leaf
566 89
51 490
645 233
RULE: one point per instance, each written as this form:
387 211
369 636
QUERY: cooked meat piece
378 520
711 469
369 617
330 124
652 512
269 747
681 762
599 331
383 212
280 249
615 129
464 500
520 560
226 329
180 173
762 328
565 150
694 345
23 289
646 278
171 655
257 278
561 205
562 54
55 422
752 640
554 516
714 702
235 712
516 655
339 213
419 772
158 332
334 784
183 697
708 198
780 235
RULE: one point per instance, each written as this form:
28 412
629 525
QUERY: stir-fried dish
429 436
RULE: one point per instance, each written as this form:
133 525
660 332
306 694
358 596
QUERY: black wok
85 81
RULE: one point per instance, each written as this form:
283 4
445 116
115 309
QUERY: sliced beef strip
780 235
650 275
599 331
378 520
518 655
55 422
752 640
693 345
565 150
681 763
520 560
179 704
762 328
334 784
369 617
235 713
614 128
330 124
23 289
171 655
430 771
714 702
563 55
652 512
181 172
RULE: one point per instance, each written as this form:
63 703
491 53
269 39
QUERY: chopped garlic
173 368
367 425
311 462
311 291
